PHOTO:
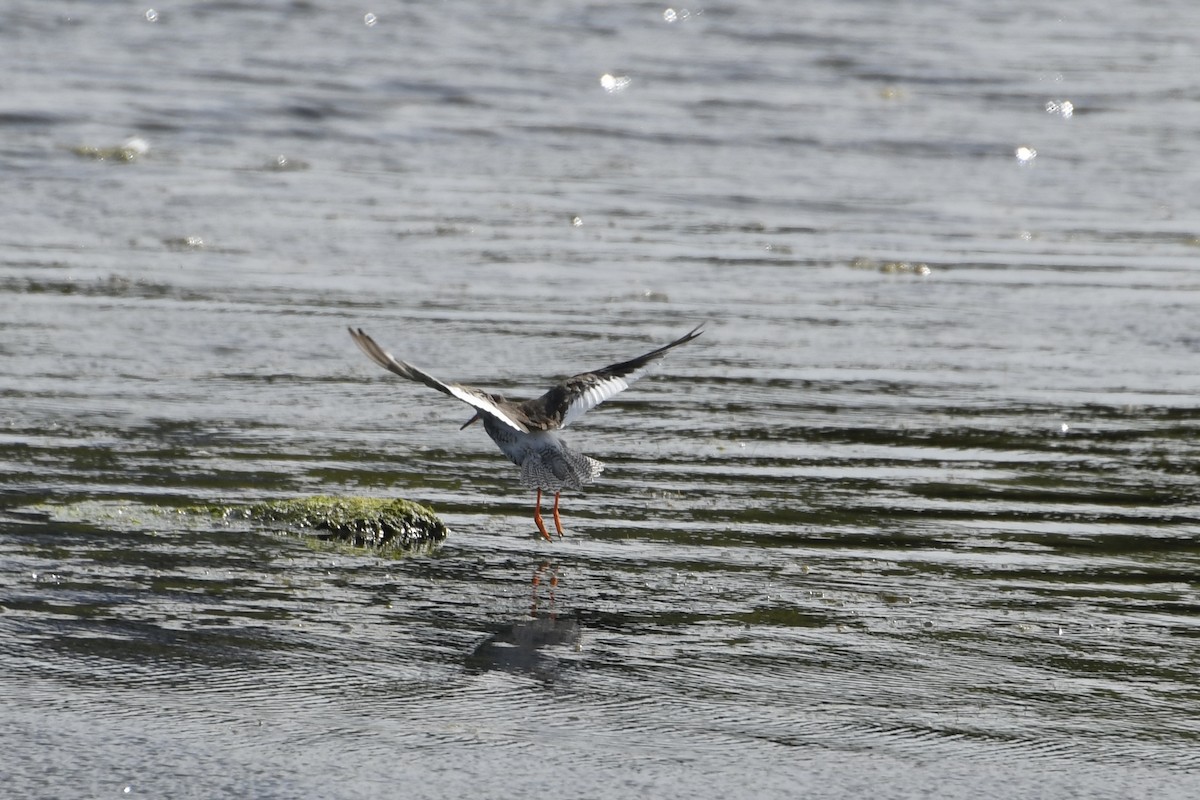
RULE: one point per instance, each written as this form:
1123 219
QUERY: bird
528 431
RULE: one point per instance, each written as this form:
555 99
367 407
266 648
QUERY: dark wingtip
687 337
360 338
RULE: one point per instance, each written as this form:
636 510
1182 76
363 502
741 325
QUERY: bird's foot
557 521
537 517
541 526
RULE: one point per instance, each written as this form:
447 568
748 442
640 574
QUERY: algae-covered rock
359 521
385 527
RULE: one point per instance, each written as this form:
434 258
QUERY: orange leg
557 521
537 516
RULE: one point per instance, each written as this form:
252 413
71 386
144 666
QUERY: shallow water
917 516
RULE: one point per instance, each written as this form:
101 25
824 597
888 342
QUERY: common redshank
527 431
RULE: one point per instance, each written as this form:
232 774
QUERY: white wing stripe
485 406
473 398
593 396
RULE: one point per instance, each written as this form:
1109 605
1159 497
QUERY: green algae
376 523
132 149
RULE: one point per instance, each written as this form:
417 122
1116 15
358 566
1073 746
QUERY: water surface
917 516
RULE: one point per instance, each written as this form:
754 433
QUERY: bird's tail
556 469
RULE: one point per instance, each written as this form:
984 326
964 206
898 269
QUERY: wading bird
527 431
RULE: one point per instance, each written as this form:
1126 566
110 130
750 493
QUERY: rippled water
917 516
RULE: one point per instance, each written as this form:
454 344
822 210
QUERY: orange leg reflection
537 580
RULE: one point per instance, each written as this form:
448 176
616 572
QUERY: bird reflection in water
523 645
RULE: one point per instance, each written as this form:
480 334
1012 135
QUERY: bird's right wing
468 394
578 394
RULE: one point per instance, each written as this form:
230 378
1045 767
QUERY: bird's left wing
468 394
574 397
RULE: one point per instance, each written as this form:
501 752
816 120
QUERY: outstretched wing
574 397
468 394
